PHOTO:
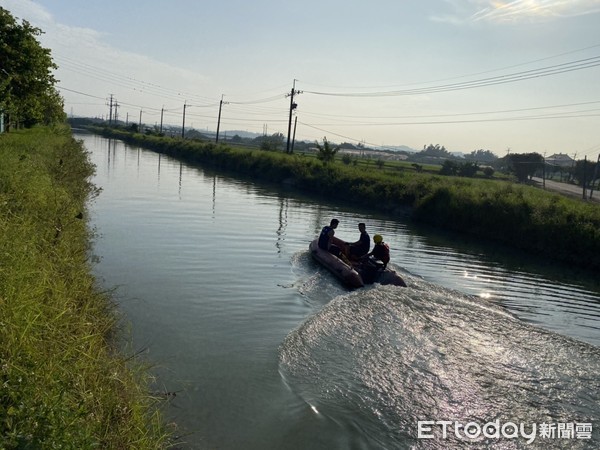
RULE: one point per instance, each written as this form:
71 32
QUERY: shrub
488 171
326 151
468 169
449 168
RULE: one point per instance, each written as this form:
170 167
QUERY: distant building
560 159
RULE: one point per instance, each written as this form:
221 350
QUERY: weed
62 384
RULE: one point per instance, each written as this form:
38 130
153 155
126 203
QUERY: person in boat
361 247
328 241
381 251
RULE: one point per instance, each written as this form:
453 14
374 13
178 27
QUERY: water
264 349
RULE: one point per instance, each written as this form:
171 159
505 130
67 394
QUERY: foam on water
382 359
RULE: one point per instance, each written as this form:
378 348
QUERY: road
567 189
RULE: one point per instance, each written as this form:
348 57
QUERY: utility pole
544 172
110 110
293 106
183 125
116 112
221 103
162 110
584 177
595 176
140 125
294 137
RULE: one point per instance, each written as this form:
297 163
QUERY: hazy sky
466 74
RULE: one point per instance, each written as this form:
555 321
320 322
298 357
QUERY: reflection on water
379 361
267 350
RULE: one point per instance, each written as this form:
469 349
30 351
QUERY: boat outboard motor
370 269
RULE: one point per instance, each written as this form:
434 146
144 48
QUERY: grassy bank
516 215
62 384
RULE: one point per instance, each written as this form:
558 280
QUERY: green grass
516 215
62 383
519 216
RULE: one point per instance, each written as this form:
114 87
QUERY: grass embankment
515 215
62 383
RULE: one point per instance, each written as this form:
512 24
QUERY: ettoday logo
471 431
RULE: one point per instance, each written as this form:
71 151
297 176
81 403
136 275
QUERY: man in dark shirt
326 238
360 247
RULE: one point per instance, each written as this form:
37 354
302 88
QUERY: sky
518 76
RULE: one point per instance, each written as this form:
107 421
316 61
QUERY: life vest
324 237
382 252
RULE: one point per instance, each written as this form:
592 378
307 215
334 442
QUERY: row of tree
27 85
522 165
438 152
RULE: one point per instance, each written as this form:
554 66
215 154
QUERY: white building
560 159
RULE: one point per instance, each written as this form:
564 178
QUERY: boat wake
377 361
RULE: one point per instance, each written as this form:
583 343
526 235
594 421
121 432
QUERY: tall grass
62 384
516 215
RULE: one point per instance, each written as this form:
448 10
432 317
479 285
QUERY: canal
264 349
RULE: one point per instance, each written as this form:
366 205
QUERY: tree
326 152
449 168
435 151
525 165
27 92
584 171
482 156
271 143
468 169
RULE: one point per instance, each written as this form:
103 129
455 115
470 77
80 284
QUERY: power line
502 79
466 75
263 100
251 108
573 114
150 88
454 114
339 135
587 152
127 81
78 92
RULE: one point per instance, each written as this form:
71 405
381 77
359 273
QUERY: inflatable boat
357 274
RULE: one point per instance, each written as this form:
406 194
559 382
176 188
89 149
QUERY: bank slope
62 384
